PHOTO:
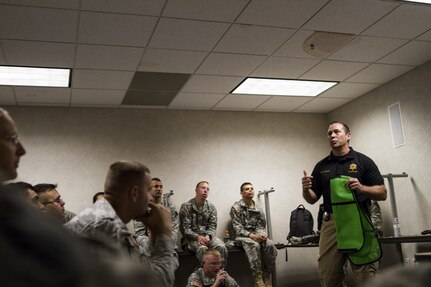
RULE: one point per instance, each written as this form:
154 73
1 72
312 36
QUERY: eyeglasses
57 201
158 186
13 139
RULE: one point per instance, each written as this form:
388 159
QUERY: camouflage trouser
215 243
331 261
261 257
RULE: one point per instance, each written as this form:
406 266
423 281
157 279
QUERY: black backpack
301 222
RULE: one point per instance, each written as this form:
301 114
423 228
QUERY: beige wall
74 147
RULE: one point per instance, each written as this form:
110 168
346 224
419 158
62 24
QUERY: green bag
355 233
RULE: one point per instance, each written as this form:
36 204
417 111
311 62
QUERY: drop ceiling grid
107 44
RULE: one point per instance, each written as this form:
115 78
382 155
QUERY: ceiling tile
147 7
348 90
96 79
367 49
196 100
333 70
220 10
148 98
280 67
283 104
379 73
211 84
230 64
41 54
240 102
97 97
115 29
108 57
7 96
248 39
322 105
425 36
38 24
406 22
413 53
35 95
187 34
349 16
293 47
280 13
151 81
67 4
173 61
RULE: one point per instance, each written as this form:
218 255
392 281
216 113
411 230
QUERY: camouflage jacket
196 221
142 233
100 219
247 220
198 279
68 215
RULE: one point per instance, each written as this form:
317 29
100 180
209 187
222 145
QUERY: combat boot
258 278
267 277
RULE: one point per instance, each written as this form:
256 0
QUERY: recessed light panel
282 87
419 1
37 77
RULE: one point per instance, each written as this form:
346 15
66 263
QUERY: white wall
368 119
74 148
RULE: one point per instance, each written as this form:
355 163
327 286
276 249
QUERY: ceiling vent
323 44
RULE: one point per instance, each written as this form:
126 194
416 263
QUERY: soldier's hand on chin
158 220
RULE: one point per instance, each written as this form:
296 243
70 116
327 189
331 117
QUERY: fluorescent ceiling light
419 1
39 77
282 87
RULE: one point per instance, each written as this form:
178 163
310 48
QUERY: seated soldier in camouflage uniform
211 273
198 223
142 233
249 224
127 197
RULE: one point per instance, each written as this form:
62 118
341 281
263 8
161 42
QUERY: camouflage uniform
247 220
196 221
198 279
100 219
68 215
142 233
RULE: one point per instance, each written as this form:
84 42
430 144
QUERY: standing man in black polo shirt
365 180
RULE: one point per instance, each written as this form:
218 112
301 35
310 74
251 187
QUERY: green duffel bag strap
371 251
350 236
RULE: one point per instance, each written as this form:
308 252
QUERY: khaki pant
331 261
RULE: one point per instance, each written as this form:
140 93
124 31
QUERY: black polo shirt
353 164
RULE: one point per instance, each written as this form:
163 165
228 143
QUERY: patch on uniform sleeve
236 207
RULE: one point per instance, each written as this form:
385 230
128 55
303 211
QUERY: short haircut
95 196
211 251
44 187
345 126
156 179
4 113
202 181
21 185
123 175
244 184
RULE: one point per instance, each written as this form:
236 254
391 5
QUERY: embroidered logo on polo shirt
353 167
